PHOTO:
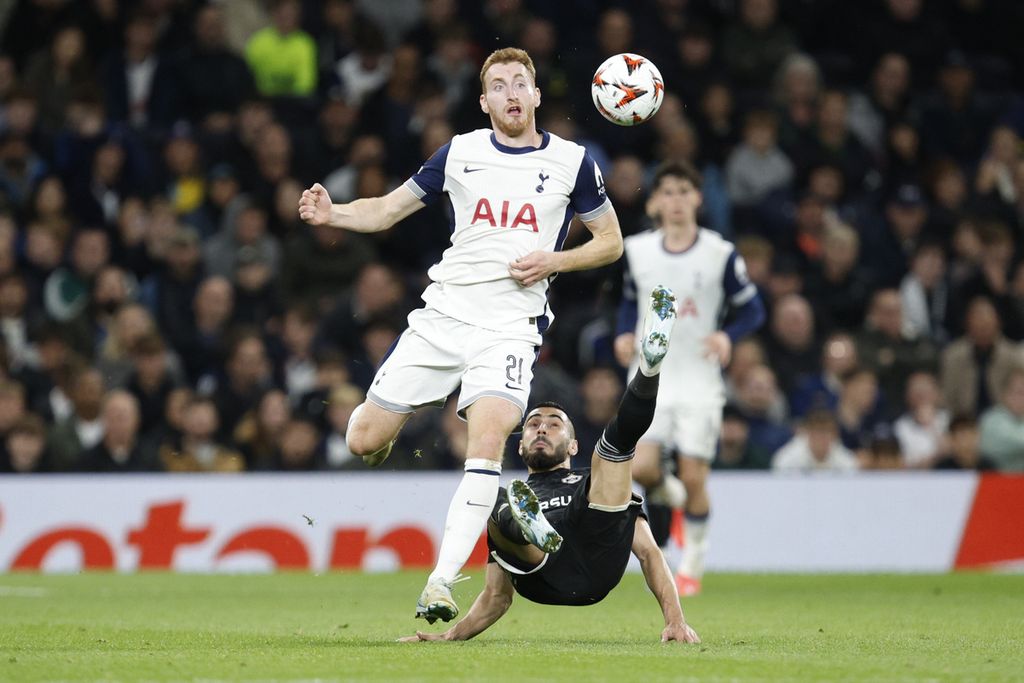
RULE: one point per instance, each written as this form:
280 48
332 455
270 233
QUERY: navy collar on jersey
676 252
521 150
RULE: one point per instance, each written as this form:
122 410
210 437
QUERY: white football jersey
505 203
703 277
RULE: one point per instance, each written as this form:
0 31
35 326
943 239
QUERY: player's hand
679 633
315 205
530 269
718 346
625 347
422 637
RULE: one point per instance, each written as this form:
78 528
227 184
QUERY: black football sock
636 412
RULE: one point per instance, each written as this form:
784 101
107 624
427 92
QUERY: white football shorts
692 430
436 353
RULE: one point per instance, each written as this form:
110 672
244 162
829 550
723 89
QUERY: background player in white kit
705 272
513 191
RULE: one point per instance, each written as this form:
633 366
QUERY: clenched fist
315 205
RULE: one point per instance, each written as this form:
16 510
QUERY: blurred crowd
162 308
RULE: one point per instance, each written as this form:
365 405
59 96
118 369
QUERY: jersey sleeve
427 184
738 287
588 197
743 296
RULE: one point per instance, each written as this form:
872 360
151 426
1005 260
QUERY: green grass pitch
167 627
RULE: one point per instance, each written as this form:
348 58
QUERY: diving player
567 540
513 191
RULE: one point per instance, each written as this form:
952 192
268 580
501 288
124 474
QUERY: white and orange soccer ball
627 89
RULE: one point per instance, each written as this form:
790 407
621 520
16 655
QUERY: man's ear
574 447
483 105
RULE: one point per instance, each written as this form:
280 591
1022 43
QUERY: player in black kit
564 536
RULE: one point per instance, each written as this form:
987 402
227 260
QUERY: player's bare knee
693 481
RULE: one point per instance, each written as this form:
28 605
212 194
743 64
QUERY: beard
514 128
541 460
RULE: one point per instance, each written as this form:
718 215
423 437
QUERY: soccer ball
627 89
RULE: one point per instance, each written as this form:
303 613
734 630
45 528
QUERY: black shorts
596 544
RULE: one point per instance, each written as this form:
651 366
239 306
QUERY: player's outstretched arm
363 215
490 605
604 248
659 580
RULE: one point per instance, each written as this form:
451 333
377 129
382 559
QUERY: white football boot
658 322
525 509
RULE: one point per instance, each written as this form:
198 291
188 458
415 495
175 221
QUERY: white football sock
467 516
695 546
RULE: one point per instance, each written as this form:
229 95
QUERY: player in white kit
513 190
706 273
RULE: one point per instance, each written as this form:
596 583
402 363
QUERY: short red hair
508 55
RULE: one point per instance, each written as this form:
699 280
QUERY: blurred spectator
12 405
322 262
885 348
956 119
995 178
55 71
83 429
169 293
735 451
884 103
138 81
378 292
625 183
282 56
791 345
884 454
25 447
198 449
129 323
857 410
211 80
718 128
815 448
120 449
600 391
905 215
331 371
974 366
757 166
991 280
299 365
257 295
821 391
365 68
924 295
343 399
438 15
299 449
151 380
833 143
797 87
922 429
753 48
244 225
258 434
838 287
202 344
758 399
964 448
951 200
1002 425
248 375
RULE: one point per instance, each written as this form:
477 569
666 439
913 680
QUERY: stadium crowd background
163 309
